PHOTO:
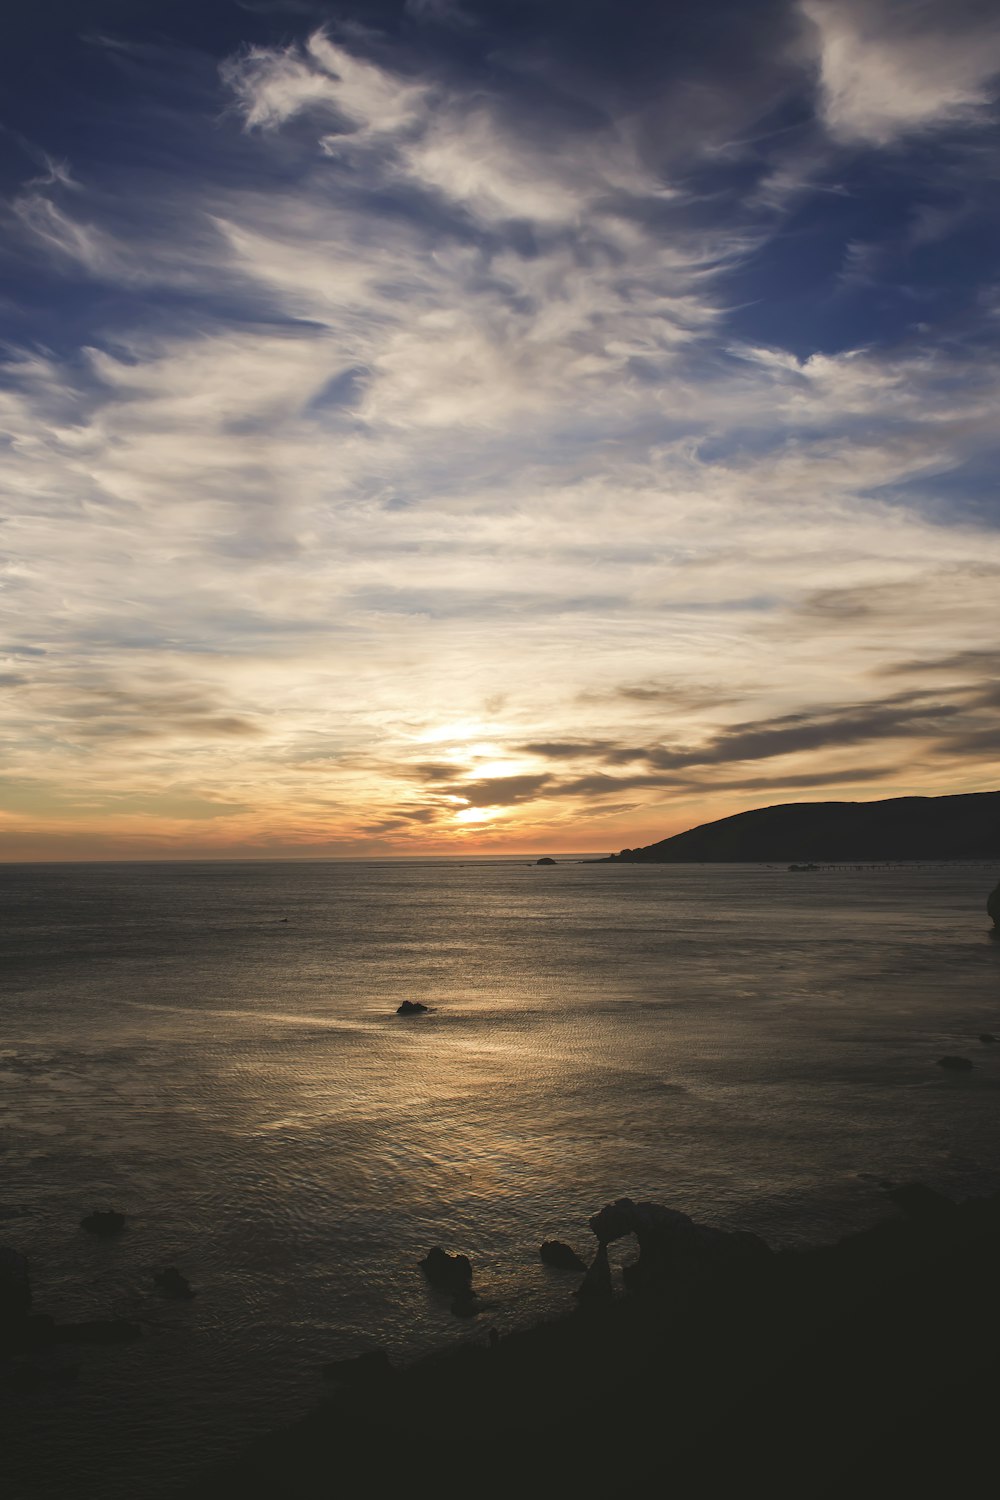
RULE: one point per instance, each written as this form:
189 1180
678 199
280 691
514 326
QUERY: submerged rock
956 1064
105 1223
411 1008
449 1273
172 1284
561 1257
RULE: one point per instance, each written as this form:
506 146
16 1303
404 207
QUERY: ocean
213 1050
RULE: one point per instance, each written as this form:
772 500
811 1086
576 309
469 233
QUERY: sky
492 426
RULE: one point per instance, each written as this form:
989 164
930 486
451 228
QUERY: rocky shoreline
870 1366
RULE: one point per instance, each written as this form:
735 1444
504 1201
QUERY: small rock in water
104 1222
561 1257
172 1284
545 860
957 1064
411 1008
451 1273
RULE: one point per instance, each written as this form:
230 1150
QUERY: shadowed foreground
870 1367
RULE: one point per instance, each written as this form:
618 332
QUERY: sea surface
213 1050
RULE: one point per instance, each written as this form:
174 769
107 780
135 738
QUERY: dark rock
545 860
449 1273
671 1245
596 1286
956 1064
988 1037
15 1287
103 1222
919 1202
993 906
466 1304
98 1331
172 1284
898 828
554 1253
411 1008
364 1369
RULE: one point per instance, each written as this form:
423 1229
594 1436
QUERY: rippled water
755 1047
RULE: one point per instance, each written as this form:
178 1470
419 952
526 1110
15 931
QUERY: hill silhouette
899 828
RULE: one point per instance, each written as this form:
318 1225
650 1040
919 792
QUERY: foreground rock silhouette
411 1008
561 1257
449 1273
672 1247
866 1368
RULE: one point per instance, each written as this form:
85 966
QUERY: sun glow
491 768
474 815
460 731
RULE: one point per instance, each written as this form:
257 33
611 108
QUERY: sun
474 815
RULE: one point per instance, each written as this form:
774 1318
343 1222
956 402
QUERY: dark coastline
867 1367
958 827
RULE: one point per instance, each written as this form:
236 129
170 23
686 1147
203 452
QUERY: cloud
932 717
798 732
103 709
888 70
498 791
273 85
432 424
